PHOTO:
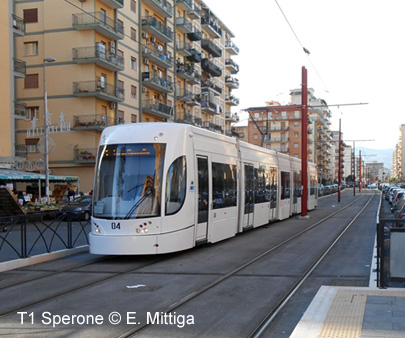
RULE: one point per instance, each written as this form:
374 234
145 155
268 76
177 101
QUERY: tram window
260 188
285 185
273 187
176 182
297 184
224 185
313 184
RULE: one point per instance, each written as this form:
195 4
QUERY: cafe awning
23 176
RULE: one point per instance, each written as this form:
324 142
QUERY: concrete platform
354 312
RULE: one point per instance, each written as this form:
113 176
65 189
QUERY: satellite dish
41 145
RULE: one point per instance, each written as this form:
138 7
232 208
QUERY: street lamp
46 117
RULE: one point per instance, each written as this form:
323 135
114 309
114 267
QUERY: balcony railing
155 27
211 48
183 47
157 83
84 155
21 150
231 47
196 12
157 108
99 89
232 66
232 100
162 7
209 84
194 56
212 28
187 72
231 117
157 55
186 5
211 68
101 23
92 122
213 127
277 139
97 54
18 25
20 110
195 35
209 107
184 25
114 3
20 67
232 82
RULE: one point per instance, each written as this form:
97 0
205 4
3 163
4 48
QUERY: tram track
273 313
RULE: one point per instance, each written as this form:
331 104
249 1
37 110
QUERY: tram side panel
217 200
312 186
285 195
296 177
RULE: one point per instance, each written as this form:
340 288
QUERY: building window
133 34
169 103
31 81
295 134
295 145
32 112
133 63
120 117
31 15
120 84
133 6
134 118
255 137
296 124
31 48
133 92
120 53
31 144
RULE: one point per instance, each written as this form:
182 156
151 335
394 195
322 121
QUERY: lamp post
46 118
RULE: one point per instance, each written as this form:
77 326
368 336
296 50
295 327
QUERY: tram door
249 196
296 179
203 198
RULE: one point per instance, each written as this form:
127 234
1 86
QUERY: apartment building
278 127
111 62
398 158
12 28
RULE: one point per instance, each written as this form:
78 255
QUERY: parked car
372 186
80 207
396 198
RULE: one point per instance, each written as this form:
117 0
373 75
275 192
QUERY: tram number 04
115 226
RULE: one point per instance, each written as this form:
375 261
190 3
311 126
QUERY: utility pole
359 171
339 160
304 142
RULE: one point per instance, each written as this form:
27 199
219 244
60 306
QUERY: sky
357 55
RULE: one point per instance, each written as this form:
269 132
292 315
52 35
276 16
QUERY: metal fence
30 235
390 249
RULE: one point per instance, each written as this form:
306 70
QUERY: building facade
398 158
119 61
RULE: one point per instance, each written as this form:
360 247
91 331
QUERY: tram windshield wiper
137 204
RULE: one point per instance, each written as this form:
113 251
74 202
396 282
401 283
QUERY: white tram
165 187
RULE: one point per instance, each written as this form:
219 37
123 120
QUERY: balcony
209 85
281 150
18 25
158 109
156 83
21 150
194 56
84 155
188 73
209 107
19 68
158 56
213 127
196 12
187 118
211 27
162 7
98 89
277 140
231 48
233 118
278 129
20 110
92 122
189 97
114 4
153 26
234 133
211 68
232 100
97 54
232 82
232 66
211 48
195 35
186 5
184 25
99 22
183 48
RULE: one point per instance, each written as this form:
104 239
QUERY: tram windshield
129 181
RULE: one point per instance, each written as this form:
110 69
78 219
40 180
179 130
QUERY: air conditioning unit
143 90
154 67
145 35
146 61
153 40
113 105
